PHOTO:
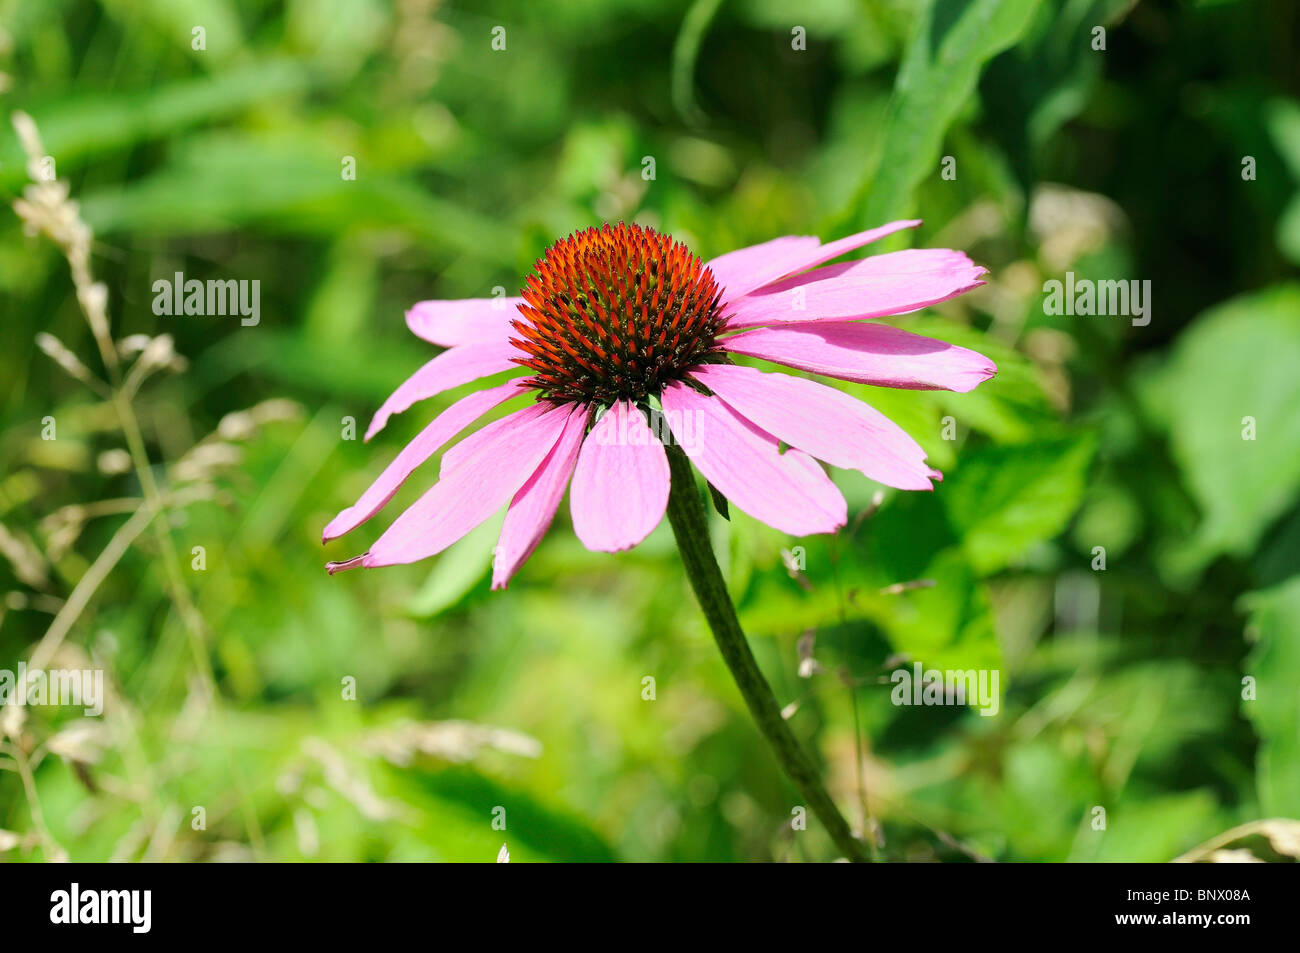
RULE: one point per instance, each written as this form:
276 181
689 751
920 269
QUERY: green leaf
947 625
952 43
177 19
536 830
88 126
903 571
719 502
1275 710
1003 500
1228 396
457 571
1155 830
222 181
1283 120
686 50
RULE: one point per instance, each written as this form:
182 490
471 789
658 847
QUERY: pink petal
789 491
459 365
620 486
534 506
745 269
748 268
909 261
448 323
867 353
822 421
842 246
852 290
445 426
494 463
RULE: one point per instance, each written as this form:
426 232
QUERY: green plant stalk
687 515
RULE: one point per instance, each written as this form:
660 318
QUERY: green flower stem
686 513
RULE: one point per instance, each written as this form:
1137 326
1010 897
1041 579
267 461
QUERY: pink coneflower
616 317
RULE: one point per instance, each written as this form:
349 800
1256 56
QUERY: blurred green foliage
1122 686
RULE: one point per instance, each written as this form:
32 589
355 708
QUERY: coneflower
621 322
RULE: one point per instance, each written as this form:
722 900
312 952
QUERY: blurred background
1118 532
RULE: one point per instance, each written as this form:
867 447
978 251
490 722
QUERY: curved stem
687 515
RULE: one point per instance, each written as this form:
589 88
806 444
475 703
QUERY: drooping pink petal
461 321
821 421
534 506
451 368
620 485
429 440
746 269
852 290
867 353
495 462
789 491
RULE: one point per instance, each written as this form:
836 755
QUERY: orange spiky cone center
615 313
